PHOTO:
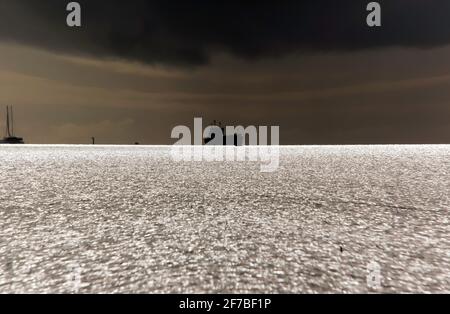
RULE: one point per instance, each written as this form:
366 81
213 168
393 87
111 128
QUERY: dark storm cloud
189 32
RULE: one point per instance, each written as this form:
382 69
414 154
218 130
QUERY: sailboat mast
7 122
12 120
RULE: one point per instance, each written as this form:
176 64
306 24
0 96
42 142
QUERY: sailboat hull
12 140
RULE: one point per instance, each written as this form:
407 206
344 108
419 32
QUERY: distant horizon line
171 145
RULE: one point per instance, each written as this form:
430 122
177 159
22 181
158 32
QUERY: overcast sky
135 69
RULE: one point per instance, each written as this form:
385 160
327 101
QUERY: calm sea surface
94 219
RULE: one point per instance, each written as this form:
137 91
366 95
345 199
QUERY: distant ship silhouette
230 140
10 138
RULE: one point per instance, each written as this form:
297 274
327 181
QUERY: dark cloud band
190 32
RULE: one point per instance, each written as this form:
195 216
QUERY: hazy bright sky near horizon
136 69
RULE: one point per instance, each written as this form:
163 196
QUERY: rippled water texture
130 219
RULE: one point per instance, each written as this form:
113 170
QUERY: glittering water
129 219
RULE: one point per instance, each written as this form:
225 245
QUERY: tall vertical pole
7 122
12 120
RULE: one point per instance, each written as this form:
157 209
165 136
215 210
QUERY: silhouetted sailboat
10 138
